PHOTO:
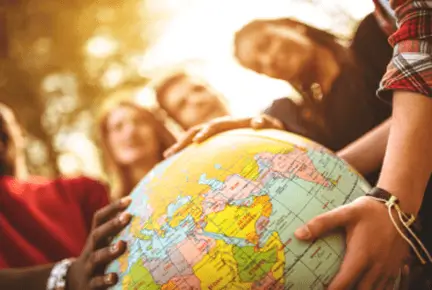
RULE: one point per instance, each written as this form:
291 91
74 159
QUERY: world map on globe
222 215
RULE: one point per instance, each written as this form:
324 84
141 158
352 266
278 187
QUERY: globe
222 215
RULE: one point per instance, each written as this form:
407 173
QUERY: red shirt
46 221
411 66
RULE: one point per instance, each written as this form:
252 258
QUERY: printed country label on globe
222 215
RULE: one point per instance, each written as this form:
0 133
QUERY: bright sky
203 30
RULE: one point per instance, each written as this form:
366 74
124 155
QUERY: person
188 100
404 147
44 221
132 140
338 92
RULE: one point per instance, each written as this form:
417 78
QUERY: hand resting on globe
204 131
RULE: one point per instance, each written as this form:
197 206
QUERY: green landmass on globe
222 215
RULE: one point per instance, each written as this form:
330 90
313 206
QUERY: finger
183 142
391 283
103 282
325 223
111 228
371 278
110 211
351 270
214 128
100 258
405 281
265 121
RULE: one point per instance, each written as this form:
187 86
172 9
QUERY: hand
375 251
87 272
202 132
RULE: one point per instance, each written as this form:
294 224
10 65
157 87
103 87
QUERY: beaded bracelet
57 278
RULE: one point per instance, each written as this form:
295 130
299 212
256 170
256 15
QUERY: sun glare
204 30
101 46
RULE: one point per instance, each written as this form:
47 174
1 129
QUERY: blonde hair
116 177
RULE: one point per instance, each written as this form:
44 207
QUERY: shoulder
81 181
82 185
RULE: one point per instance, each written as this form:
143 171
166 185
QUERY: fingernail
124 217
303 233
198 136
109 279
125 201
114 248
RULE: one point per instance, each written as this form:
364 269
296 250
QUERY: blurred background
60 59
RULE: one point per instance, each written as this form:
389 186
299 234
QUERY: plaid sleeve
411 66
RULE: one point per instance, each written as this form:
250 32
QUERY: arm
407 164
367 153
88 270
26 278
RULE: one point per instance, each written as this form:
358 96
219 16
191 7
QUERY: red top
45 221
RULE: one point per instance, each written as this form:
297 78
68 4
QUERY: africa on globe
222 215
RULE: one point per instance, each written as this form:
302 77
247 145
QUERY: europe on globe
222 215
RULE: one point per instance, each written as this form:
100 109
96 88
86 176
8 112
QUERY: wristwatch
57 278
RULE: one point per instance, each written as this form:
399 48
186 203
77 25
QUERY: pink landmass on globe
195 248
297 163
190 282
235 188
268 283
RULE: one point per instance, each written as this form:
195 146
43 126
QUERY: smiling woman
132 139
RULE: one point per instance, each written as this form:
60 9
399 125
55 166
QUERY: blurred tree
58 59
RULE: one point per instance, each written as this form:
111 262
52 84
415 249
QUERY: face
131 137
275 51
190 103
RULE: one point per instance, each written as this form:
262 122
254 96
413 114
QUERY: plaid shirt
411 66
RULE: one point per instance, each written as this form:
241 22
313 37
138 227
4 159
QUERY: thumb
324 223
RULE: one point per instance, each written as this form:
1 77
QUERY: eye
198 89
263 44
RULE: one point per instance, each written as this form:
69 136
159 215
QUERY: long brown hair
120 184
11 132
320 37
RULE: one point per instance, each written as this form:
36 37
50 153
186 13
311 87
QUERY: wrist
409 200
57 279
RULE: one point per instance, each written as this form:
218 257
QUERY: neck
137 172
323 69
327 69
15 169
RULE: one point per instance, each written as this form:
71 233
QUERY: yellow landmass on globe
239 221
242 162
192 208
218 269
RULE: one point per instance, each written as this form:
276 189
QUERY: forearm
367 153
407 164
34 278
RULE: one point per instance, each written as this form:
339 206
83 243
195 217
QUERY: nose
265 61
199 98
129 130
